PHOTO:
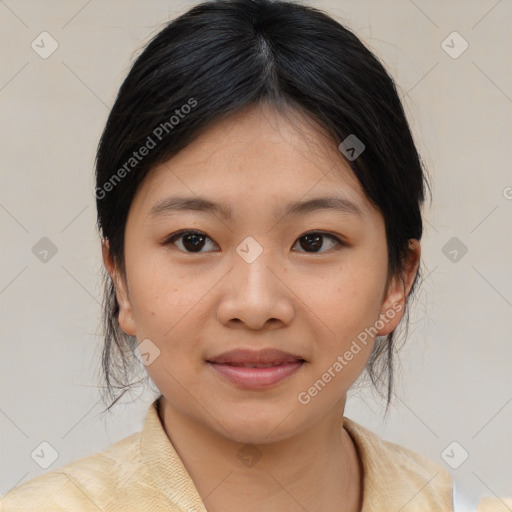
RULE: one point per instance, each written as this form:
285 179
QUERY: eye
193 241
314 240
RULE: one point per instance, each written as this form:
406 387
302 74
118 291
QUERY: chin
251 428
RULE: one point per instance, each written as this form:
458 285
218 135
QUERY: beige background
456 380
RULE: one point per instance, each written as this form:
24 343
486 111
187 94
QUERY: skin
297 298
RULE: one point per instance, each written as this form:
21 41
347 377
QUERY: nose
256 295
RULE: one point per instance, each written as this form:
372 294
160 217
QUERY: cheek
344 305
346 300
167 310
163 299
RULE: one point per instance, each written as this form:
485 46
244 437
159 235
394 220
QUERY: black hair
215 60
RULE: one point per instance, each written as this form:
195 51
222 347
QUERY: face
257 274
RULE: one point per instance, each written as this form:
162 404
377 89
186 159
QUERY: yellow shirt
143 473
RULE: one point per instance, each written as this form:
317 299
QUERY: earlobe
399 287
125 317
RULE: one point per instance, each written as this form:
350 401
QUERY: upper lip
263 356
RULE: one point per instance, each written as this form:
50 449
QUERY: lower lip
256 377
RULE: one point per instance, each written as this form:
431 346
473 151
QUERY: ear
125 319
398 288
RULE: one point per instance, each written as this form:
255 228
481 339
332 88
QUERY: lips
264 358
256 369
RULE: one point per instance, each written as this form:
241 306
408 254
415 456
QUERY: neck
317 469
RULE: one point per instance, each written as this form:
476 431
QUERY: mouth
256 369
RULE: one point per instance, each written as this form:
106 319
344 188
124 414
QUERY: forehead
257 156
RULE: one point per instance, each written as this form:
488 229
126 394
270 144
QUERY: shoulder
86 484
394 456
399 476
494 504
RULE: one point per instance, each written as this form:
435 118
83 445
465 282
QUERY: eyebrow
176 204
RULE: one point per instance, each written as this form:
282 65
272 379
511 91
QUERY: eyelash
179 234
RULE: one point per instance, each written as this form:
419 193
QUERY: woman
261 236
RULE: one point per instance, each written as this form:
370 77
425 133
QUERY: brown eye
314 241
191 241
194 241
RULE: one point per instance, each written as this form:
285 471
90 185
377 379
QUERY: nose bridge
254 294
252 264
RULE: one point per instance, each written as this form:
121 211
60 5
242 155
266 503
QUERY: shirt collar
385 482
165 465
